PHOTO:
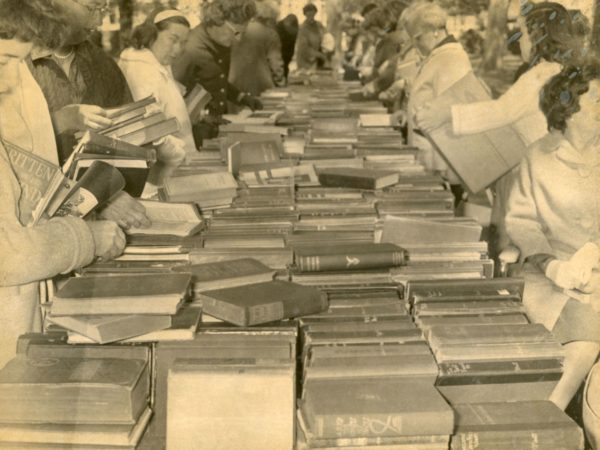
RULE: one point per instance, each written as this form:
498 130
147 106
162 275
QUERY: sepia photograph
299 225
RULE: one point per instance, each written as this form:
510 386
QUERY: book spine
224 311
319 263
268 312
336 180
382 425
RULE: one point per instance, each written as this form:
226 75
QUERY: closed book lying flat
177 219
183 327
66 435
105 329
122 294
527 424
262 302
226 274
356 256
371 408
357 178
73 390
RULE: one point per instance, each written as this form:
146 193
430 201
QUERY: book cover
66 390
262 302
385 408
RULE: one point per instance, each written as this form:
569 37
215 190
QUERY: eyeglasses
236 33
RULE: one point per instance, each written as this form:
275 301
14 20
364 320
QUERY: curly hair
145 34
217 12
552 33
37 21
559 98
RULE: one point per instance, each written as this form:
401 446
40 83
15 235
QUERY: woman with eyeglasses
207 56
444 63
147 66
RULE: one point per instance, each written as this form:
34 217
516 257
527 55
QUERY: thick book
133 125
255 155
359 256
105 329
262 302
152 133
201 186
67 390
526 424
407 230
469 288
121 113
375 408
134 171
67 435
175 219
225 404
196 101
484 334
126 294
227 274
478 159
357 178
184 326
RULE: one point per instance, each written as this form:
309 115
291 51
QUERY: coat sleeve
41 251
274 58
523 223
515 103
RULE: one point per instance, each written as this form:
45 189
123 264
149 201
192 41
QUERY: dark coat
207 63
256 63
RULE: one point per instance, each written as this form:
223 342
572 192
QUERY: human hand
368 89
587 257
428 118
566 275
80 118
251 102
398 118
109 239
126 211
171 150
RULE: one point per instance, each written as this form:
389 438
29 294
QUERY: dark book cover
357 178
356 256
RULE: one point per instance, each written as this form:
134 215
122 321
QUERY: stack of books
486 349
73 397
109 308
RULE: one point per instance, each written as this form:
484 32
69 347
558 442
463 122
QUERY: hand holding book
126 211
80 118
109 239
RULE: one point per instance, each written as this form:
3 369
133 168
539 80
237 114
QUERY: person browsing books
554 218
547 42
206 59
32 254
157 43
79 80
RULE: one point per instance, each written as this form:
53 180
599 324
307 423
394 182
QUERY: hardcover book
358 256
262 302
357 178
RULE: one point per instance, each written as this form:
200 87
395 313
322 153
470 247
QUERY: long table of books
305 284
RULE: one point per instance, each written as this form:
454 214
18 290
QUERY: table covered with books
305 284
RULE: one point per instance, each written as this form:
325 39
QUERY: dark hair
559 98
309 7
145 34
217 12
34 21
551 31
367 9
377 18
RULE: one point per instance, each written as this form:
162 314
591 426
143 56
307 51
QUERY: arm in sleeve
520 99
41 251
522 219
275 60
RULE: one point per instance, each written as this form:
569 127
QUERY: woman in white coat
157 43
445 62
547 42
554 218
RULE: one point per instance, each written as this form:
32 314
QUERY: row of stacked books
310 210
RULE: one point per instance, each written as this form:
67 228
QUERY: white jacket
30 254
146 76
519 106
444 66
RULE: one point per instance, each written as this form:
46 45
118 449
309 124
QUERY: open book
478 159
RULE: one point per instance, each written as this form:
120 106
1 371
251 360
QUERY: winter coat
207 63
444 66
256 63
554 208
146 76
35 253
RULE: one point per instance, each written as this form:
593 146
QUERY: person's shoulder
543 149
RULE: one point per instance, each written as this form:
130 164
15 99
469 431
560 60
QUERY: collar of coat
564 151
205 39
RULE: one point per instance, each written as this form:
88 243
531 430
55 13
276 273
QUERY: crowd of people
55 82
